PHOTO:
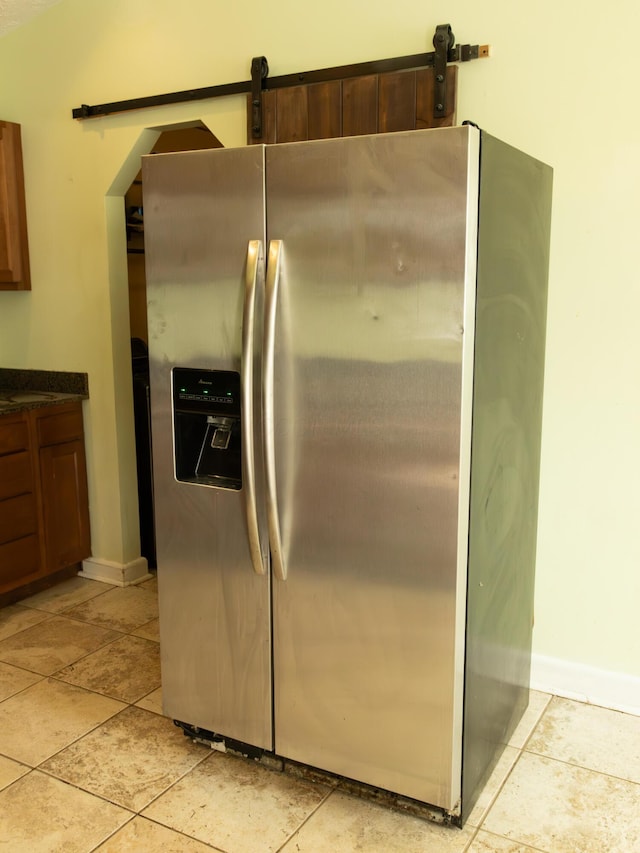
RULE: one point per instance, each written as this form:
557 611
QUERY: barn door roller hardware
443 41
446 50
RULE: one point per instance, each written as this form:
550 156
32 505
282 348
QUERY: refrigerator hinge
259 70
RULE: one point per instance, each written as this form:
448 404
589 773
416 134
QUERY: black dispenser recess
207 427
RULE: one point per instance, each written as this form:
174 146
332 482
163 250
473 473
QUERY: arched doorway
185 138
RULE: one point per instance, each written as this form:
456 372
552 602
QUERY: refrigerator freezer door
202 209
373 343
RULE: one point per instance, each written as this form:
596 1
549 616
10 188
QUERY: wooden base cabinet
44 514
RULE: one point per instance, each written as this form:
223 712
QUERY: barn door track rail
445 51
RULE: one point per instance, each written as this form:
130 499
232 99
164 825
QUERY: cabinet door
14 250
64 496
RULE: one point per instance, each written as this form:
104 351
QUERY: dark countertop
31 389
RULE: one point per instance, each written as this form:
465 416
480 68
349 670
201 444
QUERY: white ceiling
13 13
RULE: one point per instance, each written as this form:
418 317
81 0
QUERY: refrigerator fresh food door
372 366
204 224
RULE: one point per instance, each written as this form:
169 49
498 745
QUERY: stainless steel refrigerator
346 345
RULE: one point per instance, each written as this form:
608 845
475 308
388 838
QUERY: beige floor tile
130 759
152 702
48 716
121 609
39 814
493 786
9 772
559 808
487 842
16 618
67 594
537 704
151 631
151 585
591 737
237 805
348 824
50 645
13 680
144 836
126 669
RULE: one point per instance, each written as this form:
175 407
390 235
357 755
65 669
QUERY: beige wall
554 86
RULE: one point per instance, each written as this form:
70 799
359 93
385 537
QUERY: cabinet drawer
15 475
19 559
18 517
14 435
64 426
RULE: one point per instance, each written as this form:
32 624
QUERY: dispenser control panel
211 388
207 427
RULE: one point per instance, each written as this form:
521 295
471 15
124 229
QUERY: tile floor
87 761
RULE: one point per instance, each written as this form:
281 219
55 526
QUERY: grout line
522 844
535 725
520 751
75 785
582 767
493 799
309 816
22 669
474 835
28 627
71 606
115 832
163 826
207 754
103 645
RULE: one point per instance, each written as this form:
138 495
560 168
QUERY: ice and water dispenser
207 427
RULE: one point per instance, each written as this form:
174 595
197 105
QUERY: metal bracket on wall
445 51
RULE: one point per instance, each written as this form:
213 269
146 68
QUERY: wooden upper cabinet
14 247
376 103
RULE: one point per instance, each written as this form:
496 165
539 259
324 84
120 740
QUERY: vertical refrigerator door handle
254 262
270 311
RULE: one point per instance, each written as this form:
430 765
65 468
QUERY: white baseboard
614 690
119 574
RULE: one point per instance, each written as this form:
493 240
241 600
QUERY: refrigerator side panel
513 261
201 209
368 399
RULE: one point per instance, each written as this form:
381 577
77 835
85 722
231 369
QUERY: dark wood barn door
377 103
